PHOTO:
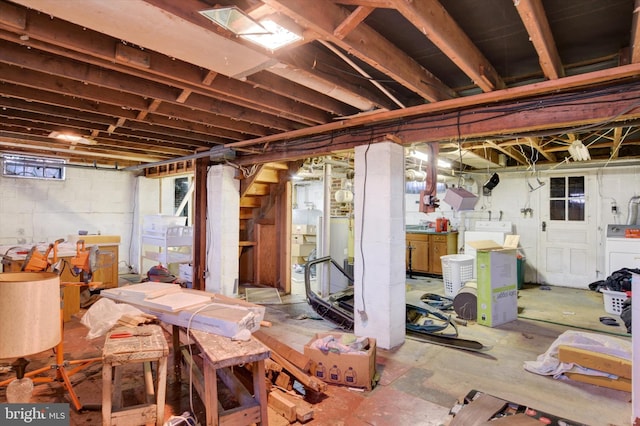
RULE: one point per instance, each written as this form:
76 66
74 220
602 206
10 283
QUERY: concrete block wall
37 210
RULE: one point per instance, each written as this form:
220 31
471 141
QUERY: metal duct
632 213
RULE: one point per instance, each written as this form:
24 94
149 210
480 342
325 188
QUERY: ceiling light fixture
74 139
265 33
578 151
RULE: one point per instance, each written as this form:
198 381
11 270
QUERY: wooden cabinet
426 249
107 272
441 245
418 252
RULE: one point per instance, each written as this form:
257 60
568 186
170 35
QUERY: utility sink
419 229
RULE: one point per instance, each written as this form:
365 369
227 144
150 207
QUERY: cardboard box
304 229
460 199
185 271
497 280
350 369
301 249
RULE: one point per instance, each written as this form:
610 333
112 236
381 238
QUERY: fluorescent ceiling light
578 151
265 33
72 138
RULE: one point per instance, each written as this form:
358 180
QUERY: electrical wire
363 312
197 311
489 113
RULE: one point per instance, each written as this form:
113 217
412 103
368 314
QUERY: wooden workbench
220 354
108 246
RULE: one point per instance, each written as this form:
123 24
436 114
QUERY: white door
567 233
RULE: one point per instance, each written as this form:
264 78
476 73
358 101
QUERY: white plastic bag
104 314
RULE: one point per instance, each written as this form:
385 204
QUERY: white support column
379 268
223 230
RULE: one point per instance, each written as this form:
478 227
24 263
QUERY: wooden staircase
261 197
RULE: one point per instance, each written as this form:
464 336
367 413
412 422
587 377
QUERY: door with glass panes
567 235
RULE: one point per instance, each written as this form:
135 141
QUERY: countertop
65 248
425 230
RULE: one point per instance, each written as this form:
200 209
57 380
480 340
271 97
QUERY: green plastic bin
521 261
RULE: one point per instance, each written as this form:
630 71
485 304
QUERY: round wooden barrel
465 302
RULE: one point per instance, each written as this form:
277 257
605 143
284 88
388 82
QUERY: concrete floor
419 382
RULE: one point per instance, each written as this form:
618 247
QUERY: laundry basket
613 301
456 270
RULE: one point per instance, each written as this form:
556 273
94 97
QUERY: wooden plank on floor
478 411
276 419
282 406
595 361
519 419
618 384
304 410
296 358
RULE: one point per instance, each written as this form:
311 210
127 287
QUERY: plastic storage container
456 270
613 301
521 261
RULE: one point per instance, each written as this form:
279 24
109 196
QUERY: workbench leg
211 394
177 354
107 376
161 390
260 391
116 392
149 383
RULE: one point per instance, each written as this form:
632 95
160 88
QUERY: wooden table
145 344
220 354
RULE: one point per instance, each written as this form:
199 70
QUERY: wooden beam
13 16
433 20
635 33
354 19
535 21
200 224
510 151
535 144
617 142
366 44
65 39
72 90
595 360
473 102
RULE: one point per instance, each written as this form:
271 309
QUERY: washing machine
486 230
620 251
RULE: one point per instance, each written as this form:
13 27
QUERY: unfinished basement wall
606 187
98 201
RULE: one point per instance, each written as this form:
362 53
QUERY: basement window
19 166
567 198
